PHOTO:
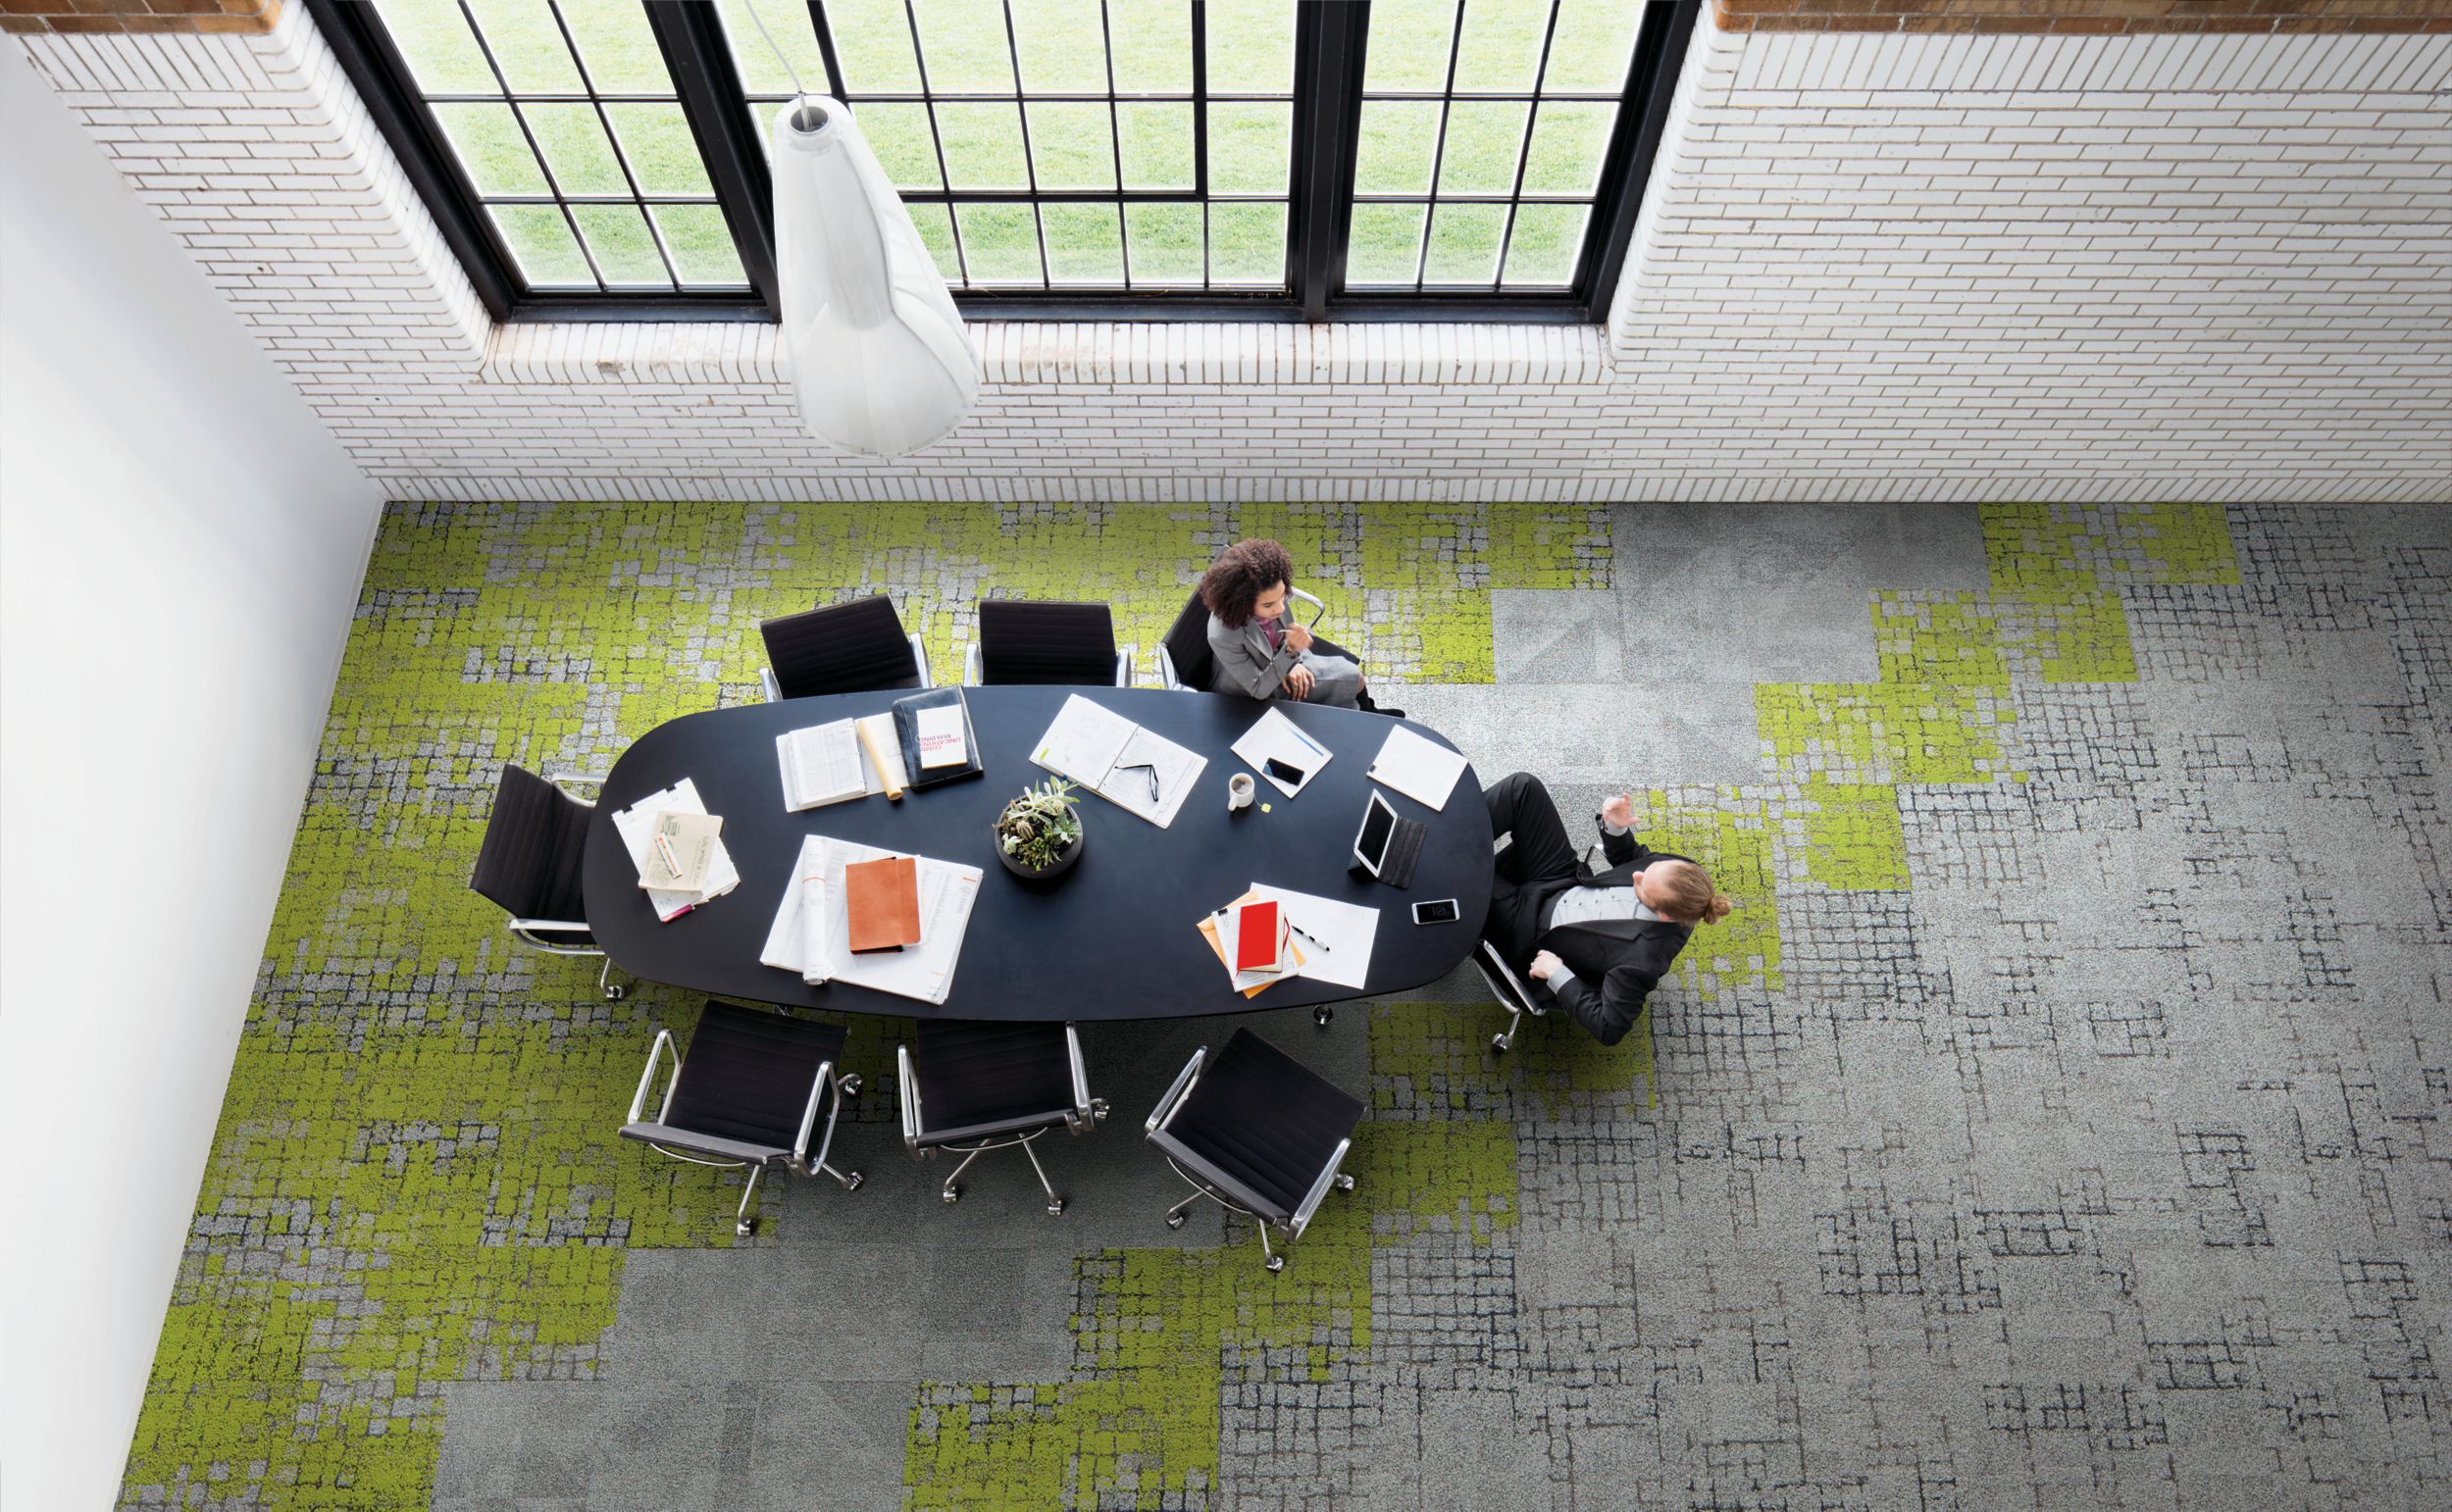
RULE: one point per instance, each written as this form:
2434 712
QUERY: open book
846 759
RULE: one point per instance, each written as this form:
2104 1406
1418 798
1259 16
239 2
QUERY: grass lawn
1062 46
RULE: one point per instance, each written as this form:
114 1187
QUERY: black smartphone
1283 772
1435 910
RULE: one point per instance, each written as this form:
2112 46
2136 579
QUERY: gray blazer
1245 664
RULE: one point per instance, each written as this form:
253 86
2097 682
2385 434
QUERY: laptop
1387 844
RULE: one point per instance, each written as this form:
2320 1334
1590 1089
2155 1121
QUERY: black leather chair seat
1265 1120
978 1078
748 1075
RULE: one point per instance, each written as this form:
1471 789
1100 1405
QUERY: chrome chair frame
1125 657
527 931
774 690
1225 1191
1086 1114
1510 989
754 1158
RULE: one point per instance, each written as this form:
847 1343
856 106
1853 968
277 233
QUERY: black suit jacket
1616 962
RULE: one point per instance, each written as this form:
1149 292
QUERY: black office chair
1256 1132
1510 991
857 647
1025 642
973 1087
529 863
746 1096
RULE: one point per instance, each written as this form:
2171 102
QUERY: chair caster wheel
951 1194
849 1086
1055 1209
1322 1016
1344 1183
745 1227
1275 1264
852 1181
1501 1044
615 994
1174 1220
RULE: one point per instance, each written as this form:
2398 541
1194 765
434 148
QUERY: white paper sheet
1416 768
1274 735
1334 937
635 824
925 971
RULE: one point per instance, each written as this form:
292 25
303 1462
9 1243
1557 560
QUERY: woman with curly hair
1261 651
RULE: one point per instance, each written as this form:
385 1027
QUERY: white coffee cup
1239 790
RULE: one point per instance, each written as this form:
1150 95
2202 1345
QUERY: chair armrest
919 658
1505 983
1166 670
970 665
767 684
1301 1218
714 1146
566 781
909 1081
1124 659
646 1077
527 930
1185 1080
1087 1112
808 1117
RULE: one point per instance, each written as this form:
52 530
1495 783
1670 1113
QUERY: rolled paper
877 758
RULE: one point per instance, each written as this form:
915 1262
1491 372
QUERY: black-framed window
1083 159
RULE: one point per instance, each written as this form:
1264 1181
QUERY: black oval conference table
1117 936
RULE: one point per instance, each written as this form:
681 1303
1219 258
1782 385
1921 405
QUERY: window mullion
1626 167
1330 42
714 104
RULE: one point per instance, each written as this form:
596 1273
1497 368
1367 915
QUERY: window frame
1331 38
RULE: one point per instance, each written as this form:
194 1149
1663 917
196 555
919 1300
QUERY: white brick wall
1870 267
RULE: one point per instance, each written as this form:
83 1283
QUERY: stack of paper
846 759
1336 936
1137 772
1416 768
637 826
811 933
1273 734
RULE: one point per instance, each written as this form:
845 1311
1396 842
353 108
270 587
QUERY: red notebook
1258 937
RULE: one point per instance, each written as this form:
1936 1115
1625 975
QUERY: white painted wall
1870 267
181 544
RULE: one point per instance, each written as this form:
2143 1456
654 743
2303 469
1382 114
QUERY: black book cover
906 729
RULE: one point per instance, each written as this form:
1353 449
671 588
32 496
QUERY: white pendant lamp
880 362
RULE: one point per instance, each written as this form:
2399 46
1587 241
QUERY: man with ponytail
1597 942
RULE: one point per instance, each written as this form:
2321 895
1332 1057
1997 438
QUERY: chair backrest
848 648
1187 646
1020 641
528 862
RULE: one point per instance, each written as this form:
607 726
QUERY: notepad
941 742
1416 768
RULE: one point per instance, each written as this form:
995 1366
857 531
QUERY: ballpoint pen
1313 939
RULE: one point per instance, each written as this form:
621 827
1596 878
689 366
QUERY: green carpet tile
2056 1123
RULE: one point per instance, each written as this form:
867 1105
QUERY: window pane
618 46
963 44
433 36
1251 46
1152 46
983 147
1546 244
1157 146
1072 147
1393 152
625 249
1247 245
702 246
1386 246
1568 141
526 45
1085 243
1408 46
1501 49
1000 242
762 73
898 135
490 147
1464 243
873 42
1164 241
935 225
662 154
1483 138
576 149
1062 51
540 243
1250 148
1595 42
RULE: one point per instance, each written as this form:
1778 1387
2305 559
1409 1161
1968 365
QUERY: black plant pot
1062 864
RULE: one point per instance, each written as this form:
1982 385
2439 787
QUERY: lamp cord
801 94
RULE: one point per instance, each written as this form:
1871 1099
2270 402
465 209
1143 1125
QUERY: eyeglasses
1148 770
